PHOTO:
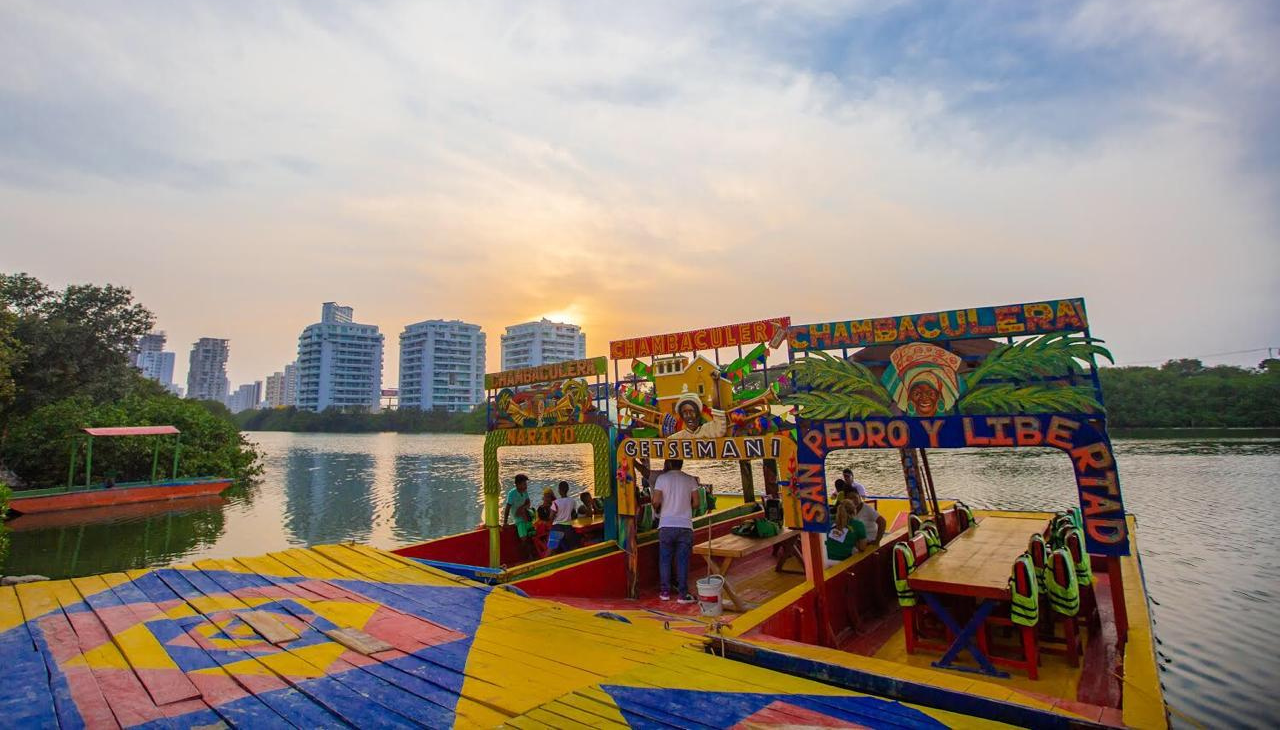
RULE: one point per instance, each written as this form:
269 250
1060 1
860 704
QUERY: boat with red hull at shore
55 500
108 493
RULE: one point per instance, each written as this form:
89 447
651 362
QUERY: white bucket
709 589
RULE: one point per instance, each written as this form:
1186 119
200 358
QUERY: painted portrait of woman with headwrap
922 379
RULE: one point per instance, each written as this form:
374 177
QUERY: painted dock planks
185 646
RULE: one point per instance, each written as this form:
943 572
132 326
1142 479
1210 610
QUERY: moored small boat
108 493
54 500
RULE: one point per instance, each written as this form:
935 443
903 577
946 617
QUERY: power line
1267 350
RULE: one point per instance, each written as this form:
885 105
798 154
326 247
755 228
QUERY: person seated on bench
847 536
589 507
868 516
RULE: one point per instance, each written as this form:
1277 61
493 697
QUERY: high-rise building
273 391
541 343
246 397
441 365
291 384
153 361
207 374
334 313
339 362
281 387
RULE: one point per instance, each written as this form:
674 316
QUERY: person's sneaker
686 598
664 595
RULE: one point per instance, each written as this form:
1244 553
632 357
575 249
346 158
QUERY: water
1206 507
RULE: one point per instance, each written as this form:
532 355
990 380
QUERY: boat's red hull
107 497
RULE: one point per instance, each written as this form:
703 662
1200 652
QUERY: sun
568 315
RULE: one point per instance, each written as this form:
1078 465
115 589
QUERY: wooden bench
731 547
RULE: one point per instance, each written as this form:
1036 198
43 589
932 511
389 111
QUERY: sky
648 167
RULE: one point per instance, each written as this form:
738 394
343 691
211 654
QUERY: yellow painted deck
169 648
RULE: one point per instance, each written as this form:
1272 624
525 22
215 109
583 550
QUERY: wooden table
731 547
976 564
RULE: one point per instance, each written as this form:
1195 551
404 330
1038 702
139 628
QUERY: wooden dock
346 635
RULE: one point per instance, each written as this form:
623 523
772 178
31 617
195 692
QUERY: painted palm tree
1030 376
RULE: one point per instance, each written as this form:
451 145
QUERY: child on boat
518 501
564 536
542 525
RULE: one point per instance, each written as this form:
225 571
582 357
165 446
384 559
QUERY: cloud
655 167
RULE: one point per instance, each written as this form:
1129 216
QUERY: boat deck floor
346 635
753 578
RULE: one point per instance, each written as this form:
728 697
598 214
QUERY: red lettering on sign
831 429
854 434
1093 456
931 428
998 424
875 433
1026 430
971 438
1059 433
1107 480
1106 531
1096 504
814 440
899 434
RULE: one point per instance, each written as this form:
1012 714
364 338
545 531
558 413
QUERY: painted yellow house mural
676 376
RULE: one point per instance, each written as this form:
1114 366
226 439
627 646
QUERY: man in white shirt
848 479
675 494
562 519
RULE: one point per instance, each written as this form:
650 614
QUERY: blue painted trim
473 572
903 690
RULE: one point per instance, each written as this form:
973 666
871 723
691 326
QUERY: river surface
1207 514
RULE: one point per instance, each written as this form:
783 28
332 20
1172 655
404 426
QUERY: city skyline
654 168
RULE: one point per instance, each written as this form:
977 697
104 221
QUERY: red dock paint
102 497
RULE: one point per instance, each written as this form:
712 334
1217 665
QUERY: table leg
723 571
964 640
789 549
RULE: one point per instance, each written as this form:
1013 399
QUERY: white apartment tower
153 361
207 374
541 343
339 362
246 397
442 365
273 391
291 384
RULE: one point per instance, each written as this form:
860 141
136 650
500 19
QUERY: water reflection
1206 513
67 544
329 496
434 495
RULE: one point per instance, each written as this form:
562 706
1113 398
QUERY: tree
74 342
65 360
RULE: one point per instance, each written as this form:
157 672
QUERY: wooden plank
359 698
272 689
268 626
125 695
738 546
357 640
412 688
78 702
26 698
157 671
979 561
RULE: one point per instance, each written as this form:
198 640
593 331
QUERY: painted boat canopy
132 431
